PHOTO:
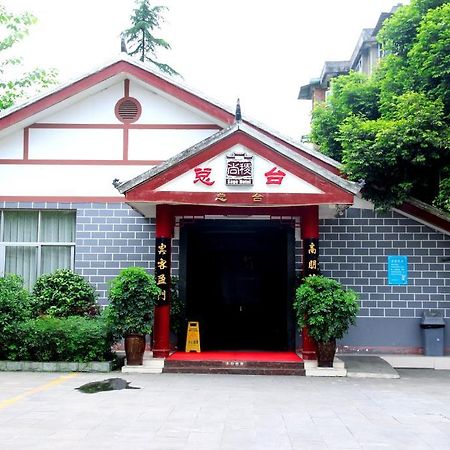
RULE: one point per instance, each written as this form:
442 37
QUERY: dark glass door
236 284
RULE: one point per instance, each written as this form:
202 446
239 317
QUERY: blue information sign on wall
397 270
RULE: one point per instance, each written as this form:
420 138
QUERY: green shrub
78 339
325 307
132 296
64 293
177 309
15 307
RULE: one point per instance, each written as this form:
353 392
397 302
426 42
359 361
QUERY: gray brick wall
110 237
354 250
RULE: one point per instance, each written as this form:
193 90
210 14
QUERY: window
36 242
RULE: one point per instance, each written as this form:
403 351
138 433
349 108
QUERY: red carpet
236 356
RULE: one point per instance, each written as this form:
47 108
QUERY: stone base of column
309 346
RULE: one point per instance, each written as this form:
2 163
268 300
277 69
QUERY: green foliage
13 29
15 307
64 293
429 57
325 307
442 201
133 295
77 339
352 94
400 147
399 31
140 38
177 308
391 154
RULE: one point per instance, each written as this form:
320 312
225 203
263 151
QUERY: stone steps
151 365
235 367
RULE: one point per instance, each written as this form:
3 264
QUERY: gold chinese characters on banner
162 268
310 257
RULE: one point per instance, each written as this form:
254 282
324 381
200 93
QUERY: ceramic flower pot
325 353
134 349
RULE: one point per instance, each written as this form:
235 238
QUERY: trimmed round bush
64 293
132 296
325 307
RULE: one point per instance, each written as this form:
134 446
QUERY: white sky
259 50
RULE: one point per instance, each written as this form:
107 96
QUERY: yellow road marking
43 387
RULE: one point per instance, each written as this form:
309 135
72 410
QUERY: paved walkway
207 412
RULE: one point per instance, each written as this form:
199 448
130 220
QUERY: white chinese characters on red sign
204 174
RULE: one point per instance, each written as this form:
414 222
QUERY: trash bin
433 325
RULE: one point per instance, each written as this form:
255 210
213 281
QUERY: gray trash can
433 325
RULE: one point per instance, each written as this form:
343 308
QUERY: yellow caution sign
193 337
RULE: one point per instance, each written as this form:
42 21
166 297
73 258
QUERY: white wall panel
11 147
75 144
162 144
56 180
98 108
157 109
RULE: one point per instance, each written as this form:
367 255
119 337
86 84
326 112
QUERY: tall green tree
15 84
140 38
401 145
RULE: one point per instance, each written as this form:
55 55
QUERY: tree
398 156
140 38
353 94
393 129
14 28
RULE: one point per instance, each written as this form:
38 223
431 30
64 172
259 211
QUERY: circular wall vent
128 110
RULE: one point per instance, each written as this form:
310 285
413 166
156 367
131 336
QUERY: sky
261 51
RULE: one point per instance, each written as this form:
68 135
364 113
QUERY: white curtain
22 261
57 226
21 226
55 257
24 226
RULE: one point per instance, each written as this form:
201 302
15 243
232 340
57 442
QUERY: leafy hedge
30 331
77 339
15 307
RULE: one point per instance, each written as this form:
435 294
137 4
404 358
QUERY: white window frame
37 244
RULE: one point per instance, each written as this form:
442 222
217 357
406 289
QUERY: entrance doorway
238 283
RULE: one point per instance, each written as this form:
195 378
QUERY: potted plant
327 309
132 295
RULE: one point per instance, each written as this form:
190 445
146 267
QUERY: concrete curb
417 361
55 366
338 369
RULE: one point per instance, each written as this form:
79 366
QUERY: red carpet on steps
236 356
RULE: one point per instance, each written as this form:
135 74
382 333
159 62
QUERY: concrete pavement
173 411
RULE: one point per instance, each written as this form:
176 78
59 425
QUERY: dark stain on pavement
111 384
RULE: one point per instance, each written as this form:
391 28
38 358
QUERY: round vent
128 109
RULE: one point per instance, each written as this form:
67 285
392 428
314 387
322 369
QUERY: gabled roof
125 67
330 188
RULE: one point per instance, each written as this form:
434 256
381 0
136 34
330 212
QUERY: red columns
161 327
310 236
